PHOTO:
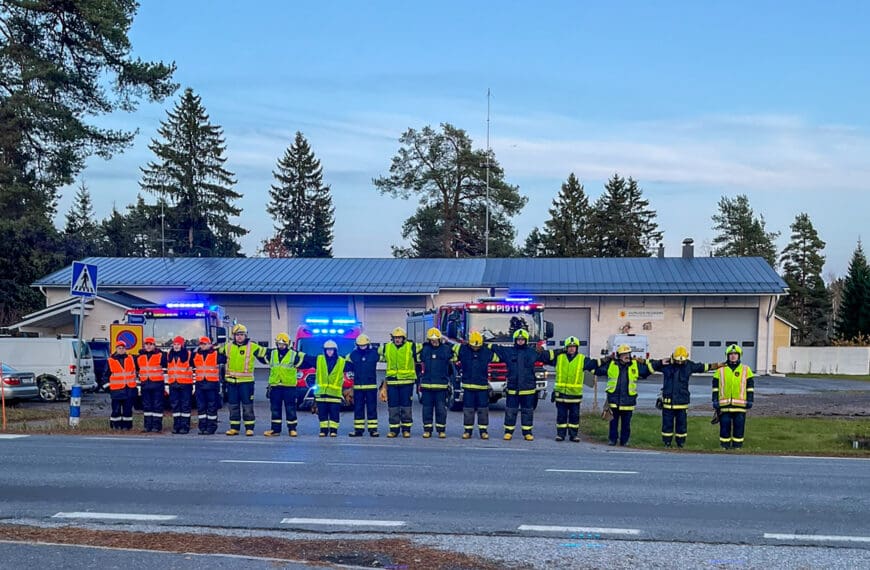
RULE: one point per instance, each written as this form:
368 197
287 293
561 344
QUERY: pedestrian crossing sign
84 280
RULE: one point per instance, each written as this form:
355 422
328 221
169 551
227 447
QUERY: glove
715 405
553 397
716 416
268 392
193 390
659 403
347 395
166 389
748 405
539 347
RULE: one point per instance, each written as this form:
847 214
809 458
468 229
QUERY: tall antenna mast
486 231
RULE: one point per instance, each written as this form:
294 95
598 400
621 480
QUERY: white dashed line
824 458
584 529
264 462
816 537
343 522
115 516
591 471
11 436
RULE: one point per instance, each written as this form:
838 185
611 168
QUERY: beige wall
781 338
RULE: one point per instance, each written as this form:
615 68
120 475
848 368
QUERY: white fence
823 360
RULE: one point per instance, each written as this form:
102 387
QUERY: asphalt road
541 488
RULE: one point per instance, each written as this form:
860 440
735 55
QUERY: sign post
84 286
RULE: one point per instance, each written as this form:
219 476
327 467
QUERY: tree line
56 59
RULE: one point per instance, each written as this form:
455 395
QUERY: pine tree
741 233
807 305
189 173
853 317
300 203
567 232
622 223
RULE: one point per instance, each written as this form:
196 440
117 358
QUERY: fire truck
188 319
496 318
309 339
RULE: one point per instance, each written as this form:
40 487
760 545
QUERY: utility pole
486 231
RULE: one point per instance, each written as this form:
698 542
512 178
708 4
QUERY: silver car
17 385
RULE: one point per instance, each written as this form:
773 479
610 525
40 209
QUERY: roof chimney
661 252
688 248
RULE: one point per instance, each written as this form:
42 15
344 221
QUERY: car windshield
314 345
8 369
164 330
500 327
85 349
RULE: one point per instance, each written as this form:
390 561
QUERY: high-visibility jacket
437 366
151 365
474 365
400 361
733 388
622 383
123 372
569 375
282 369
329 382
240 360
206 366
178 367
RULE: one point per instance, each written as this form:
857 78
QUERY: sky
695 100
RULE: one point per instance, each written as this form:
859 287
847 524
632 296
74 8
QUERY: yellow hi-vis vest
329 383
613 377
400 363
732 386
240 367
283 372
569 375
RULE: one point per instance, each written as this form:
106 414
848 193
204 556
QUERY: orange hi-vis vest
207 367
123 376
179 371
150 366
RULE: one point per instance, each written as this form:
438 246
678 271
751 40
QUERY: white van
639 344
53 361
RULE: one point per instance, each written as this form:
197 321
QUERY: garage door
383 315
255 317
714 329
570 322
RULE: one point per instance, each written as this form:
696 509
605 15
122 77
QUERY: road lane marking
584 529
817 537
375 465
12 436
602 471
118 438
115 516
635 452
825 458
343 522
266 462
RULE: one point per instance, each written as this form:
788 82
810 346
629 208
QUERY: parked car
17 385
53 361
100 353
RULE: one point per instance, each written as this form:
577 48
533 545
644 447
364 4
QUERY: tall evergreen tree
534 244
301 204
448 177
82 232
622 223
853 317
136 233
808 304
62 64
189 173
567 232
741 233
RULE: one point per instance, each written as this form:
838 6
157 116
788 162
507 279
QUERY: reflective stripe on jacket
150 366
207 369
123 375
329 382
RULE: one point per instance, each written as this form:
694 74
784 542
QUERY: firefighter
151 367
206 367
240 378
363 361
283 362
733 395
568 391
329 378
436 373
622 376
400 355
122 386
474 359
179 371
676 372
521 388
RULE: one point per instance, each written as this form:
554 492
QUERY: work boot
232 431
392 434
508 436
575 438
466 434
680 444
292 433
611 443
355 433
441 435
427 434
484 435
249 432
560 438
333 434
406 434
529 437
668 444
271 433
374 433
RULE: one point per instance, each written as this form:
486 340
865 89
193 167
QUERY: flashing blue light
185 305
317 321
340 331
343 321
315 331
331 331
518 299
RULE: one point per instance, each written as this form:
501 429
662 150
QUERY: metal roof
575 276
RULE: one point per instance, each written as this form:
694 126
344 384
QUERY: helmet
330 344
363 340
623 349
204 340
399 331
572 341
475 339
433 334
240 329
681 354
283 338
733 348
148 340
521 333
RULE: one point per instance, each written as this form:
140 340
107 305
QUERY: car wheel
49 390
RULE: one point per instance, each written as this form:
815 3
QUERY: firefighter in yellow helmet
364 362
281 393
622 376
473 359
676 373
436 359
401 356
733 395
240 354
521 386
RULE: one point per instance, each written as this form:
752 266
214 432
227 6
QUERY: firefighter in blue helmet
521 388
622 376
363 360
733 396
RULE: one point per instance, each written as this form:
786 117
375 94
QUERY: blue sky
694 99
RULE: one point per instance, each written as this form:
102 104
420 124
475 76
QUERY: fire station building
703 303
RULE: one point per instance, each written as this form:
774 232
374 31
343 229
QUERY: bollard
75 406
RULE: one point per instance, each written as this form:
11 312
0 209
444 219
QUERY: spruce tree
622 223
82 232
300 204
741 233
189 173
534 245
808 304
853 317
567 232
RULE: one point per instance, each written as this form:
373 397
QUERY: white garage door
569 322
382 315
255 317
714 329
